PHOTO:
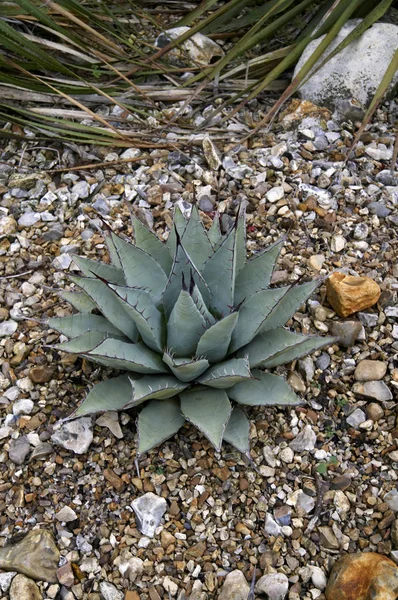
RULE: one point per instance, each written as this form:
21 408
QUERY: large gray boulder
352 76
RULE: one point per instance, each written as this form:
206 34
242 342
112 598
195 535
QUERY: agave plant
193 323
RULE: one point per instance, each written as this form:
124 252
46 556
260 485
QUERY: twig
137 467
110 163
16 275
318 503
252 586
394 155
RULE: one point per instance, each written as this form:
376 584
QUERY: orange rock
132 595
348 294
364 576
297 110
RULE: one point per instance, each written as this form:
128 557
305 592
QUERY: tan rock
41 374
23 588
370 370
297 110
367 576
166 538
36 556
348 295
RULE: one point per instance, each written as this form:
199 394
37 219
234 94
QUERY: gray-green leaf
226 374
195 240
219 273
140 269
155 387
109 304
83 343
214 343
75 325
294 297
80 301
265 390
237 431
252 315
151 244
185 369
183 268
209 410
128 357
185 326
158 421
149 321
90 268
111 394
256 274
214 233
279 346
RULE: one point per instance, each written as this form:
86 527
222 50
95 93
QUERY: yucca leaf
265 389
279 346
209 410
74 325
149 242
109 304
294 297
219 273
226 374
183 268
140 269
252 315
195 241
214 343
112 394
154 387
237 431
256 274
90 268
149 321
185 326
157 422
79 300
128 357
185 369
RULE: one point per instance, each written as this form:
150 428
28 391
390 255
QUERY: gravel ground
322 476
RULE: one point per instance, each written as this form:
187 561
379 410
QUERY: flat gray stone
75 435
109 592
356 418
66 515
373 389
392 500
8 328
305 440
149 510
19 450
5 580
356 71
274 585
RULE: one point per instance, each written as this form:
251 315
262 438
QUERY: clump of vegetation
61 61
194 324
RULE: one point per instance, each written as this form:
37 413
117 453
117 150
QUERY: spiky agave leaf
193 324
